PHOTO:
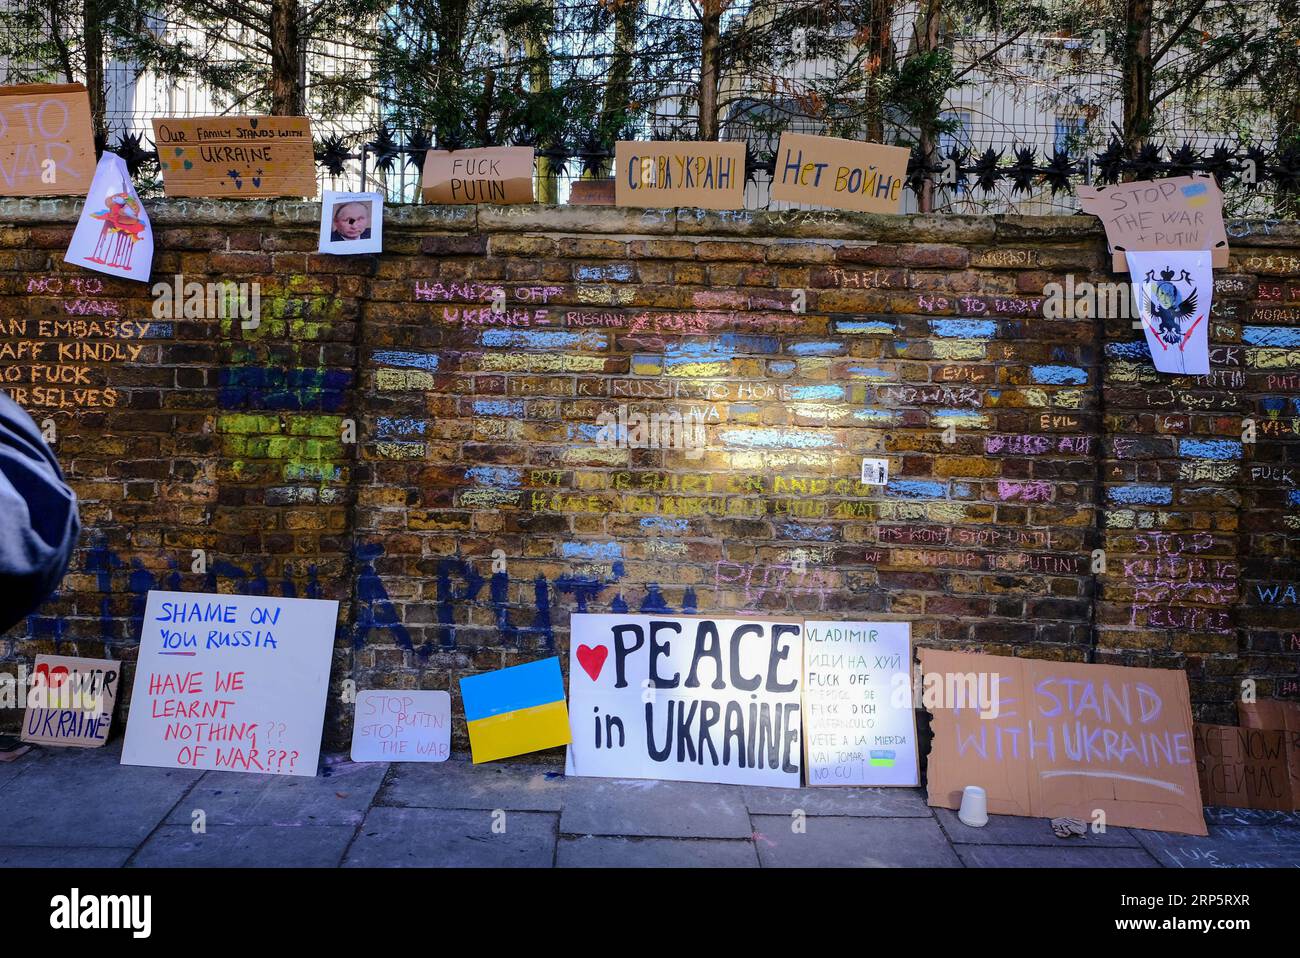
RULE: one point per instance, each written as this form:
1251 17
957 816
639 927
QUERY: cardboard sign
686 698
113 234
231 682
1243 767
255 156
1063 739
43 122
1179 213
516 710
71 701
858 729
843 174
1276 714
1172 294
401 726
499 174
707 175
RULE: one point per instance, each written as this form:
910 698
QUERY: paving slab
602 851
457 783
238 846
1017 830
1227 846
653 808
1037 856
849 802
233 798
1219 815
12 769
87 793
62 856
844 842
452 838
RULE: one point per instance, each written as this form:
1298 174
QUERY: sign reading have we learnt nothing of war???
234 682
704 175
844 174
253 156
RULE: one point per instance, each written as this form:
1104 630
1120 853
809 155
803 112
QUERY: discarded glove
1069 828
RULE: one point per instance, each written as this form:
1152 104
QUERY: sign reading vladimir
686 698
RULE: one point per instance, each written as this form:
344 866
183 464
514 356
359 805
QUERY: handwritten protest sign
253 156
858 729
1243 767
71 701
47 146
499 174
401 726
231 682
708 175
686 698
1277 714
1063 739
844 174
1179 213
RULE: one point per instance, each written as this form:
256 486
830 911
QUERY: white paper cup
974 809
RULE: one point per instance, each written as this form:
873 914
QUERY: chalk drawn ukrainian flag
515 710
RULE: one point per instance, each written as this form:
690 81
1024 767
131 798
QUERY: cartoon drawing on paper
113 234
1163 300
122 230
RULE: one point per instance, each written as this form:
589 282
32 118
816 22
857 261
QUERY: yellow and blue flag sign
515 710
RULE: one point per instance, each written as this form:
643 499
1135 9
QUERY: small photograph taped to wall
351 223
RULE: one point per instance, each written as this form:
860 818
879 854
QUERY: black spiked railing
1020 169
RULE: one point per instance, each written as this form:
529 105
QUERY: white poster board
113 234
393 725
859 724
231 682
686 698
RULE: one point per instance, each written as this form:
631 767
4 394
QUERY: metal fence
1048 84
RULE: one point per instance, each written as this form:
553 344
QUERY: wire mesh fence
970 87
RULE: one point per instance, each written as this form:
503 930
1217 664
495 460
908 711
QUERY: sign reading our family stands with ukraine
686 698
233 682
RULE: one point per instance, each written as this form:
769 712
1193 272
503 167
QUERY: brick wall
476 509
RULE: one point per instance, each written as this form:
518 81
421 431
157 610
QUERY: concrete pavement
80 808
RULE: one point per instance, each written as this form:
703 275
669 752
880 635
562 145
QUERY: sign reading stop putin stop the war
844 174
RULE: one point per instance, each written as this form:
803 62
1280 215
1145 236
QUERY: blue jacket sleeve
39 524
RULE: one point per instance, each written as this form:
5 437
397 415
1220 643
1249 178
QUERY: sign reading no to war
844 174
46 143
233 682
686 698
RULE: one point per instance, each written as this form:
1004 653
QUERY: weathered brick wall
475 510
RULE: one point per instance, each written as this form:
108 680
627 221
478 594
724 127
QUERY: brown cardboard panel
1178 213
705 175
499 174
844 174
1068 740
1277 714
252 156
45 121
1243 767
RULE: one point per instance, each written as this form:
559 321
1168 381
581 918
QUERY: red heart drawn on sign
592 660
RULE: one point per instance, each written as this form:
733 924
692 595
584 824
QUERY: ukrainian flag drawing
515 710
